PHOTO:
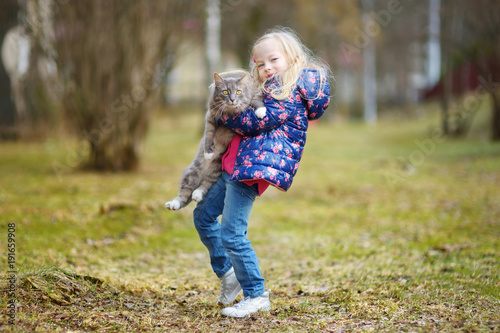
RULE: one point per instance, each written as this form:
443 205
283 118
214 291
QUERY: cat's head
233 92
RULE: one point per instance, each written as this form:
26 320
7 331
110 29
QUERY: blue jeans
226 242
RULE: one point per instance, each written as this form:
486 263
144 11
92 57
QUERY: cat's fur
232 92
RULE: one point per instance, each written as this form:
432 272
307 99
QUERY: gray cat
232 92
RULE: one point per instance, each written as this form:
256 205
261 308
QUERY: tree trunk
212 39
495 125
8 18
434 45
7 108
114 158
445 72
369 71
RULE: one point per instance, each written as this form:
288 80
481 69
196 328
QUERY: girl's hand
249 124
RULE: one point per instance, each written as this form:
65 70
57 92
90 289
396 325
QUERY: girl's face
269 59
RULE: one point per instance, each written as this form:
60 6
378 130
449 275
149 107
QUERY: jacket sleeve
247 123
315 90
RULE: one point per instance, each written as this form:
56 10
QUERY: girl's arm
315 90
247 123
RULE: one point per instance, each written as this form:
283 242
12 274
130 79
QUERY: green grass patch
386 228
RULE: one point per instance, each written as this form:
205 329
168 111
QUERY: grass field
390 228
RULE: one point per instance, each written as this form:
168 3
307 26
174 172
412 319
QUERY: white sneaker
230 287
248 306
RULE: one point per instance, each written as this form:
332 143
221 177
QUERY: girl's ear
217 79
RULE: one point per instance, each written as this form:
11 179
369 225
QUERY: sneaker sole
266 308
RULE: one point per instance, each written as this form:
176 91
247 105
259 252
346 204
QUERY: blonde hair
299 57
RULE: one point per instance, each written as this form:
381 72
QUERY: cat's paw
198 195
173 205
260 112
208 156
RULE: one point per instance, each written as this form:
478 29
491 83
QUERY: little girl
264 152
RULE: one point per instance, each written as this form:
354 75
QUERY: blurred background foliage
97 69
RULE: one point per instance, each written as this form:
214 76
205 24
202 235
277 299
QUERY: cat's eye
238 92
225 92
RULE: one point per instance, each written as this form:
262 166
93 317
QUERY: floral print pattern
271 148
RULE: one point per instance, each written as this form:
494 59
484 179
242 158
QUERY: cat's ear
217 79
244 80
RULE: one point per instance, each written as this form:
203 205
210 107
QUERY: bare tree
485 24
446 68
470 40
212 38
8 18
369 71
433 69
111 57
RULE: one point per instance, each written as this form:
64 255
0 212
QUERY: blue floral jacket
272 147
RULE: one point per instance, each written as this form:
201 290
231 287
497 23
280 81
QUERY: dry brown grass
343 251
